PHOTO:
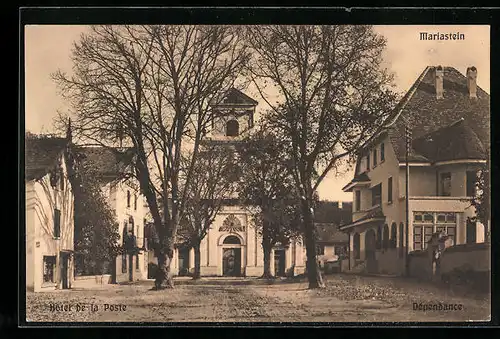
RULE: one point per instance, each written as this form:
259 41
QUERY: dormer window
382 152
232 128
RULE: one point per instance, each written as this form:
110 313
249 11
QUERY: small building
331 243
443 124
49 214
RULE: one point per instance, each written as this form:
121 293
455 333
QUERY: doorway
370 248
231 262
471 232
279 263
183 262
64 270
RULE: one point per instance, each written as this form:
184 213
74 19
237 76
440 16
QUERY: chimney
471 81
439 82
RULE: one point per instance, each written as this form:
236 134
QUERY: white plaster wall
41 200
117 198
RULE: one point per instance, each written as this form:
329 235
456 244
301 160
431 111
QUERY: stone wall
467 263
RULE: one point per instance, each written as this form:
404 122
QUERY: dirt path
355 299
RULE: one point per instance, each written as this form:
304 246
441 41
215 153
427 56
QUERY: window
389 190
135 202
340 250
394 231
376 194
368 162
385 238
471 232
446 184
137 261
471 183
57 223
128 198
375 157
124 263
427 223
232 240
320 249
382 152
232 128
131 223
355 245
49 264
358 200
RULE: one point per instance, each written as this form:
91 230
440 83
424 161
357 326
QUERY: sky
48 48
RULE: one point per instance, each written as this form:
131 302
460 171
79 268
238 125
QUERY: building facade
130 208
49 214
232 246
443 120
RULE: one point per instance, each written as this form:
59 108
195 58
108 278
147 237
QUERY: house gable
426 113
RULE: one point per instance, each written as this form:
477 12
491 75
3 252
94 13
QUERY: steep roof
41 155
330 233
235 96
329 212
110 163
427 114
456 141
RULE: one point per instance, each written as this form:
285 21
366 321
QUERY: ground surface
346 298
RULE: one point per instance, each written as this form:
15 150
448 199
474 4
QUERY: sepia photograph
256 173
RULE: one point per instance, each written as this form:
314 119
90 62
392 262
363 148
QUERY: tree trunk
313 272
267 261
164 278
266 247
197 262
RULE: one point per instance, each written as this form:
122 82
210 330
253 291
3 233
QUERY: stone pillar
191 259
362 249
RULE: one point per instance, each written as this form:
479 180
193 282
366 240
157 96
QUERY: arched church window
232 128
233 240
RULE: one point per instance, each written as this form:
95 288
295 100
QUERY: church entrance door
231 262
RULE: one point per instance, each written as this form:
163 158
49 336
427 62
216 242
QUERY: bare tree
267 188
150 87
333 95
213 182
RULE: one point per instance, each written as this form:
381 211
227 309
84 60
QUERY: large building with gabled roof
444 119
49 214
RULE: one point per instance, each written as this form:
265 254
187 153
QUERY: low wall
389 262
421 265
91 281
468 256
468 264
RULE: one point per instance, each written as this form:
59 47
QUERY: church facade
233 246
